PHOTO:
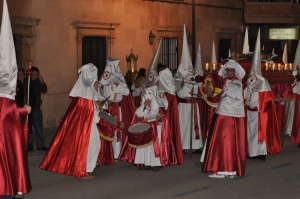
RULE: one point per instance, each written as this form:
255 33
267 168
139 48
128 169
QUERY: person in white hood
75 147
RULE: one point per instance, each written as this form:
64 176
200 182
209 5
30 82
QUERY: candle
214 66
273 67
266 64
206 66
291 66
279 67
132 66
285 66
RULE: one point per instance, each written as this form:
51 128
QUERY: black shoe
155 168
263 157
253 157
43 149
198 151
97 166
30 149
144 168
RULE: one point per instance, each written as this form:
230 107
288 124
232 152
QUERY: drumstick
98 105
105 100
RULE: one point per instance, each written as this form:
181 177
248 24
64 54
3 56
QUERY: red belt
187 100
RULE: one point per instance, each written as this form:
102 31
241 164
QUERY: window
94 51
169 53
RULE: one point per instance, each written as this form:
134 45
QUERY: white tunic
254 147
185 118
146 155
94 144
116 94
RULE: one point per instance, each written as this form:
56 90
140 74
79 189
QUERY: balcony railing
274 1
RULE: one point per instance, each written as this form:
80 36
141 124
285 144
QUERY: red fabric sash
113 109
195 108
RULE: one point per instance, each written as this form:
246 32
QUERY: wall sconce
151 37
190 38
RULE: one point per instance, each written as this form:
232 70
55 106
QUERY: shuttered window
94 51
169 53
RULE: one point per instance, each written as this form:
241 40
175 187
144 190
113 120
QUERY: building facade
60 36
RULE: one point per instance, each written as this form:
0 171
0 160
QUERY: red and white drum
140 135
106 126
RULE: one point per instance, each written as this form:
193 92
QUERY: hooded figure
75 147
171 139
262 126
149 155
187 89
120 102
225 153
14 172
295 136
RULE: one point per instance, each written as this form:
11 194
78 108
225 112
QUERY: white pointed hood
8 62
229 53
297 59
256 81
213 54
246 48
84 86
112 73
198 63
166 81
284 54
185 67
152 71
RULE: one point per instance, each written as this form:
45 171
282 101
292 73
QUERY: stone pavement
277 177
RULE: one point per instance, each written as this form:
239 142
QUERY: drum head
108 117
139 128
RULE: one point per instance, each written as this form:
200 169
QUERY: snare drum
140 135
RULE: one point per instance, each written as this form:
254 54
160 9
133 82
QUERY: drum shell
106 130
141 139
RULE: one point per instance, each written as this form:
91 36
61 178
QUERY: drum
106 126
140 135
108 117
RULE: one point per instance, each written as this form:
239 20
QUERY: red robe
228 133
67 153
166 149
14 171
106 154
295 137
172 116
268 130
